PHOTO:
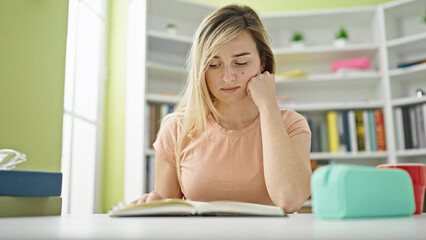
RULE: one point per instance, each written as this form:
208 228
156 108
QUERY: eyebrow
237 55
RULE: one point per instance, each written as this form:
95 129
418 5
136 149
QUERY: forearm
287 170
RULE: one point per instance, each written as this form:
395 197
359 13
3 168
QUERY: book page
160 207
238 208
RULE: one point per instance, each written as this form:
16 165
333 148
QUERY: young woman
227 139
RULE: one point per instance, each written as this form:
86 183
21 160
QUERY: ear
263 64
262 67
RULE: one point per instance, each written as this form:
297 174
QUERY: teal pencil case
347 191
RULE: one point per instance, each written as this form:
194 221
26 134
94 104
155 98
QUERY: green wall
115 93
113 166
32 72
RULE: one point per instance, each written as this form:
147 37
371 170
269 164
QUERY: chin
234 99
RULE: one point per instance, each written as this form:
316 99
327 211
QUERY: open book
178 207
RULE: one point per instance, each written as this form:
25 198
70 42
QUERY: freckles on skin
242 73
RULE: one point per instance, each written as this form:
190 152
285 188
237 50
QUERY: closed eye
241 63
214 65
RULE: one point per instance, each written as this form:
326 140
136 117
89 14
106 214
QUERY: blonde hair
218 28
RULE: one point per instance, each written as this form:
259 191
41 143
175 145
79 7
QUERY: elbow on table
293 203
289 207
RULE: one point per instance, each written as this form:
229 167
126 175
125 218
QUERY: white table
295 226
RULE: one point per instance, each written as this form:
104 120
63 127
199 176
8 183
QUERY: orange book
380 130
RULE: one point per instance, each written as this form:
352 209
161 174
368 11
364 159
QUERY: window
82 122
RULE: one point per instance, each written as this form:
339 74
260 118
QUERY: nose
228 74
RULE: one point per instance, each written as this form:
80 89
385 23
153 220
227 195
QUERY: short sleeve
295 123
166 141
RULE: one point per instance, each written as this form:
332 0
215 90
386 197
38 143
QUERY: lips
230 90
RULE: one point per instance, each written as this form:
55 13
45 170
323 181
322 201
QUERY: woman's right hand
148 197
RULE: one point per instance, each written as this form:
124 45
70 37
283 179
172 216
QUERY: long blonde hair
197 103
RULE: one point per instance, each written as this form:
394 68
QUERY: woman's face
231 69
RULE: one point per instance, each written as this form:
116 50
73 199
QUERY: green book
323 134
372 127
29 206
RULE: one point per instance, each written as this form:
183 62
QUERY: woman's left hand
261 88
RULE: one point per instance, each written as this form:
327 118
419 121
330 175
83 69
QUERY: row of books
30 193
410 123
349 131
155 113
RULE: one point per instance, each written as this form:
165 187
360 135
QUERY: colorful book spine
407 127
341 132
346 130
424 119
152 125
420 126
399 126
150 176
29 206
333 135
156 114
323 134
30 183
359 130
380 130
414 139
352 131
315 139
373 130
309 120
367 130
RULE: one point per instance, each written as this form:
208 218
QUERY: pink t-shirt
223 164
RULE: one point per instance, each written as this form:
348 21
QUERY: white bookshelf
405 41
387 34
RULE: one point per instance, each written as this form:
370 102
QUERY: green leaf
342 33
297 37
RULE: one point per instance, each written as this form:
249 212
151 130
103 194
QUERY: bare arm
166 182
287 167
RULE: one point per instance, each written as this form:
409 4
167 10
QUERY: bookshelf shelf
349 156
411 72
408 101
412 39
411 153
160 98
408 44
169 37
313 107
161 67
331 78
328 49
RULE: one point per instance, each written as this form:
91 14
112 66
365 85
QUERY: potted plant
341 37
424 18
297 40
171 28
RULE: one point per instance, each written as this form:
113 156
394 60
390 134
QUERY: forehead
243 42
